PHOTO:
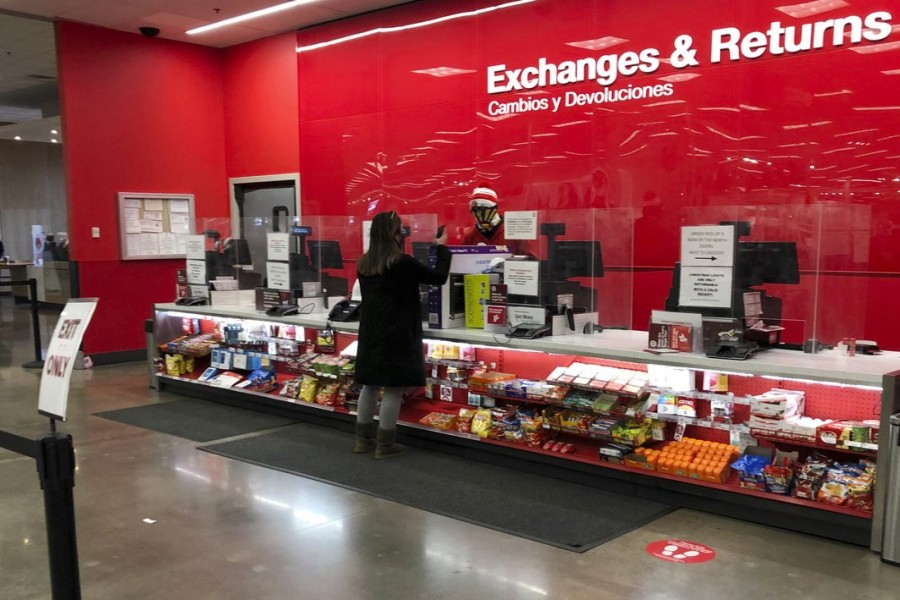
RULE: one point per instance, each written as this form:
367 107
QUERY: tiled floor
228 530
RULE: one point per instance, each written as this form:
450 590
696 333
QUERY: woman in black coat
390 354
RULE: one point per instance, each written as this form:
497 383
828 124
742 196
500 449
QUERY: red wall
139 115
802 145
261 120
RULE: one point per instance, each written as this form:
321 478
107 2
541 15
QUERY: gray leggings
390 406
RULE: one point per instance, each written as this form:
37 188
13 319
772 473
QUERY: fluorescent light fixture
248 16
18 138
53 131
356 36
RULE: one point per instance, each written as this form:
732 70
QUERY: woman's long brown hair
383 249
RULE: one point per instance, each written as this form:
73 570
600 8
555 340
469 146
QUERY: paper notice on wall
179 223
520 224
153 215
179 206
151 226
133 203
168 244
149 244
151 204
133 244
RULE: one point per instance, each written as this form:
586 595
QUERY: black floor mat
550 511
197 420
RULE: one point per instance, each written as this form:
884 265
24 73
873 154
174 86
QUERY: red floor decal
680 551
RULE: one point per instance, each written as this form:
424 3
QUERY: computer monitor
325 254
576 259
767 262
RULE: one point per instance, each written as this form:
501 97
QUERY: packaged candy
291 389
174 365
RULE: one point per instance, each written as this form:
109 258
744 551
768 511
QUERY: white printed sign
520 224
711 246
710 287
61 354
278 246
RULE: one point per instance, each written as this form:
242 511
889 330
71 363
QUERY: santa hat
483 196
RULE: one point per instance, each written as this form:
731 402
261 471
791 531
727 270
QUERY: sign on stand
61 356
707 266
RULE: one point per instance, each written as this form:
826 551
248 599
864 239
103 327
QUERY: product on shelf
261 380
191 345
308 387
291 389
439 420
464 420
695 459
849 485
810 475
750 467
848 435
327 394
481 422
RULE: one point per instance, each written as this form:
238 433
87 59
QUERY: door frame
236 181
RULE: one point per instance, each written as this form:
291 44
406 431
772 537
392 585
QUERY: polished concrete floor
158 519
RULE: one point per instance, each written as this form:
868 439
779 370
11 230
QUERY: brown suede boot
387 447
365 437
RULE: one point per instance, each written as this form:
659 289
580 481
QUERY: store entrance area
159 519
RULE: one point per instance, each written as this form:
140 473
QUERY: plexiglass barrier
805 269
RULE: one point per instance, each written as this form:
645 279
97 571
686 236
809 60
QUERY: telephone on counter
283 310
529 330
733 349
345 310
192 301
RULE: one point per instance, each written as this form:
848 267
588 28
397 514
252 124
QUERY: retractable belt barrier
54 455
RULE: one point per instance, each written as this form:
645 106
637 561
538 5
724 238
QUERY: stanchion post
56 469
35 318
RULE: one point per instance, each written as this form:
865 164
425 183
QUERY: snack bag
174 365
308 387
291 389
464 421
481 422
327 394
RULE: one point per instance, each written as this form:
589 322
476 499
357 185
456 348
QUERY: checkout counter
54 280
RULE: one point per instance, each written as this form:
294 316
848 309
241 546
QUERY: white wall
32 192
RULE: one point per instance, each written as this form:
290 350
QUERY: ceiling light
18 138
877 48
471 13
807 9
53 131
599 43
54 140
247 16
443 71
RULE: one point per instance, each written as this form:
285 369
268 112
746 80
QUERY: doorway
259 205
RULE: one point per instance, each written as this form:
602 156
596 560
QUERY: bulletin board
154 226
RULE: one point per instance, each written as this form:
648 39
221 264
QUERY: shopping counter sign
61 355
680 551
707 266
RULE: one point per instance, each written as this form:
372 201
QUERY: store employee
489 228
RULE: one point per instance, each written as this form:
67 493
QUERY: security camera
149 31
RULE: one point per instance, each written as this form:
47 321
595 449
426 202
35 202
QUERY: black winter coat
390 349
